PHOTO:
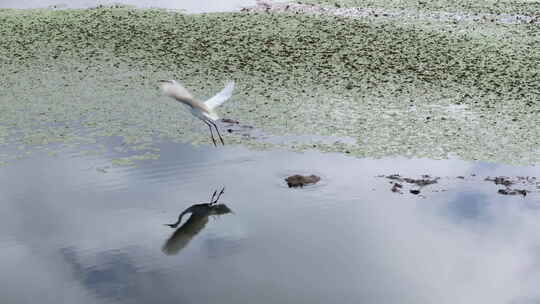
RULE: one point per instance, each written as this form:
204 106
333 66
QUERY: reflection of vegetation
196 222
414 89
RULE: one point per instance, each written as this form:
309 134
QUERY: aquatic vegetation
504 6
71 77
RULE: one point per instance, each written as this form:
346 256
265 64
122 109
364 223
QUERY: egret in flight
204 110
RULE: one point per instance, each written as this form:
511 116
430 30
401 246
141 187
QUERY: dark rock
512 192
414 191
393 176
500 180
424 181
231 121
421 182
301 180
396 187
521 191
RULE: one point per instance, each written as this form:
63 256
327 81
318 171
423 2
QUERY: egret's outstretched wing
176 91
220 97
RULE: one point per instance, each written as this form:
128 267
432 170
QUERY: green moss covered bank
416 89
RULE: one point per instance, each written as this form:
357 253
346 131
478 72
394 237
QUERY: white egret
204 110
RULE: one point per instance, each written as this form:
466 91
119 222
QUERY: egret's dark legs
213 195
211 132
212 201
217 130
219 195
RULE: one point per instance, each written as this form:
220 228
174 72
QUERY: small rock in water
396 187
513 192
300 180
521 191
500 180
424 181
231 121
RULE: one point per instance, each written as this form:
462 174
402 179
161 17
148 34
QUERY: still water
74 230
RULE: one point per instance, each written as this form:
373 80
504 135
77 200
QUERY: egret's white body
204 110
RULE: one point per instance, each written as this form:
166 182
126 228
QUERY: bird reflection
195 223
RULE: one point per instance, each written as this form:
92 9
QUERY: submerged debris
421 182
424 181
500 180
531 182
513 192
230 121
300 180
509 181
396 188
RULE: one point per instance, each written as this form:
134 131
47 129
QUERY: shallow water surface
74 230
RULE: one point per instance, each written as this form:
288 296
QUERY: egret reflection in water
195 223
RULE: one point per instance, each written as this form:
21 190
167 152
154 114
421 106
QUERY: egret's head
220 209
164 84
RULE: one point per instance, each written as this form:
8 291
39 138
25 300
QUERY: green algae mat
461 6
69 78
